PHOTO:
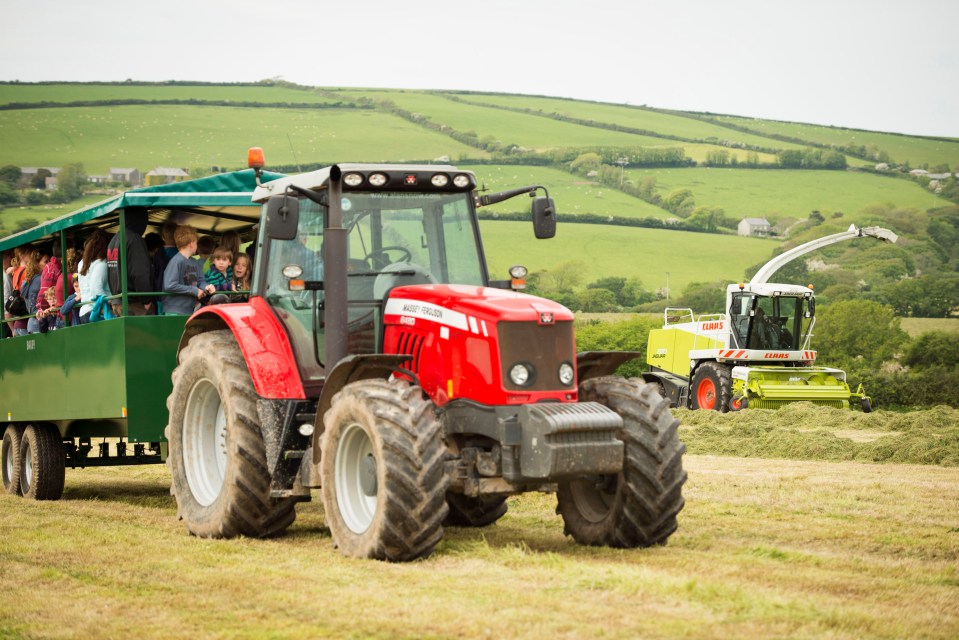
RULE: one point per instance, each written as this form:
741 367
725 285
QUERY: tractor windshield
393 239
767 322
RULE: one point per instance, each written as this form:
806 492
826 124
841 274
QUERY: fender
263 341
593 364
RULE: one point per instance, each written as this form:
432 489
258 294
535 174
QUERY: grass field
647 254
765 548
197 136
86 92
901 149
915 326
628 116
573 194
777 194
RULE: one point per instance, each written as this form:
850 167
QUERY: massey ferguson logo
779 356
712 326
546 317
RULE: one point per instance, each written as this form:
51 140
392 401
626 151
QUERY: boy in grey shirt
184 275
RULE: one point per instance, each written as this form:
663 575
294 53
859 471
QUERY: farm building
165 175
754 227
132 177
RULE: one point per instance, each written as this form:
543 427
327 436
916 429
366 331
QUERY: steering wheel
384 253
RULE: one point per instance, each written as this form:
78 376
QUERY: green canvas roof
215 204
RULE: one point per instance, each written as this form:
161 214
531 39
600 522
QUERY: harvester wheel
383 471
474 512
712 387
866 405
10 459
217 460
42 463
638 506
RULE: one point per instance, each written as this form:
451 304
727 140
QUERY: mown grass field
901 149
200 136
765 548
647 254
777 194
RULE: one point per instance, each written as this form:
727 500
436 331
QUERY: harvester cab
758 353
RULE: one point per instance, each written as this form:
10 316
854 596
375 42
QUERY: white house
754 227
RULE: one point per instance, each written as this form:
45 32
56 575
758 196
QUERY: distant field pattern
87 92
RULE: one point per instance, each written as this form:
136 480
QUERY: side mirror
544 218
282 217
811 308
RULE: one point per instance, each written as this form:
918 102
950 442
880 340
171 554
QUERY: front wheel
217 460
42 463
636 507
712 387
383 471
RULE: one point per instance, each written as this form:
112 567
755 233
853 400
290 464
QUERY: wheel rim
7 463
706 394
204 442
356 478
594 496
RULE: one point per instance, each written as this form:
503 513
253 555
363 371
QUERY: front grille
545 347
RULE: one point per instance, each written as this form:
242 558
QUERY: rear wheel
466 511
712 387
383 471
217 460
638 506
10 459
42 463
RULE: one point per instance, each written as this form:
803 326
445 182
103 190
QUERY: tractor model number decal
660 353
408 320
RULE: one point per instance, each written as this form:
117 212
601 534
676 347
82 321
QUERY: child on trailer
71 306
49 318
242 276
184 276
220 274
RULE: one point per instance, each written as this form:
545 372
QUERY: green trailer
95 394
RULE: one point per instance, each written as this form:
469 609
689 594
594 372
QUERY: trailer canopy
215 204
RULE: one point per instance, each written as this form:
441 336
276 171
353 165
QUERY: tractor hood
460 306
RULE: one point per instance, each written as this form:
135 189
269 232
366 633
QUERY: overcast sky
871 64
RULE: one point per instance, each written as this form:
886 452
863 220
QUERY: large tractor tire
636 507
42 463
712 387
217 458
466 511
383 471
10 459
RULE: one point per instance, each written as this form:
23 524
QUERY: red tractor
375 360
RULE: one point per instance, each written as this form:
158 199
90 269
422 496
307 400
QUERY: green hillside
620 163
790 193
914 150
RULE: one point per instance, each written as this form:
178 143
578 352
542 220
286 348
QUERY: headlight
521 374
353 179
518 271
461 181
378 179
440 180
566 374
292 271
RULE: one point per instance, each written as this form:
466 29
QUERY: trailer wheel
42 463
217 458
383 471
712 387
10 455
638 506
466 511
